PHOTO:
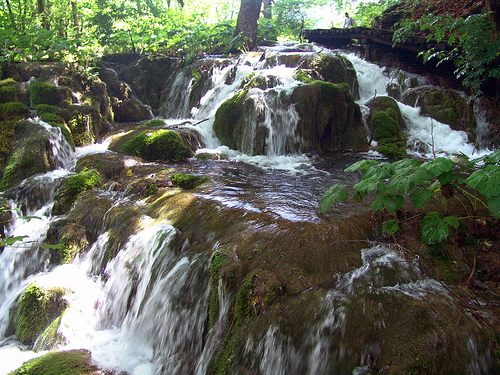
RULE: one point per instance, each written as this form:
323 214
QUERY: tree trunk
42 13
247 24
74 8
493 7
267 12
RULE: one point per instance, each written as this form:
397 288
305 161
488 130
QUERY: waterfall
144 309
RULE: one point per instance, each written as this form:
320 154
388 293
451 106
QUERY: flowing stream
146 312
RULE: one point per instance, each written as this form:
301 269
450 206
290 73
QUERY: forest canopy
79 30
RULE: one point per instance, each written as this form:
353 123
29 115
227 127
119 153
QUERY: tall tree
247 23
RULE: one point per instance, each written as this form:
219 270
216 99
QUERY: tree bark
267 12
42 13
493 7
247 23
74 8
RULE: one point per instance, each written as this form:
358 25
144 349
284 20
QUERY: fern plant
474 183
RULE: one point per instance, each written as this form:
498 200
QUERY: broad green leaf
486 181
494 206
334 194
435 229
53 247
420 196
390 227
393 203
362 164
366 185
438 166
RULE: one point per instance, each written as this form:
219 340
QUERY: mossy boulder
38 307
444 105
228 121
131 110
187 181
56 120
51 338
386 123
44 93
163 144
12 91
31 154
330 119
13 111
74 362
73 187
85 124
328 68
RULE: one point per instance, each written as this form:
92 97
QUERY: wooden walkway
337 38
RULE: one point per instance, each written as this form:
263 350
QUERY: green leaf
11 240
393 203
494 206
53 247
419 197
334 194
486 181
438 166
390 227
435 229
362 164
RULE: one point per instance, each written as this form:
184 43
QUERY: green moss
392 150
44 93
46 108
226 119
187 181
301 76
13 110
154 123
74 362
51 337
37 308
73 187
10 91
158 145
386 128
153 189
217 260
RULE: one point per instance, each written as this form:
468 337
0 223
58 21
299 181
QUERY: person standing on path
349 21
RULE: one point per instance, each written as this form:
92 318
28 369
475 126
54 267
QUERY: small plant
187 181
475 184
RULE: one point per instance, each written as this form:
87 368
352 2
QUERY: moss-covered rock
386 123
160 144
13 111
74 362
328 68
31 154
11 91
131 110
227 121
85 124
444 105
73 187
330 119
187 181
38 307
44 93
51 338
56 120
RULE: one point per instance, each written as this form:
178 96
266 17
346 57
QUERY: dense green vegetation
434 186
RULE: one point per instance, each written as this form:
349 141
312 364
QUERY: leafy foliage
474 183
475 45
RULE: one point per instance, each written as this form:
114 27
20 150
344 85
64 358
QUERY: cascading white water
146 314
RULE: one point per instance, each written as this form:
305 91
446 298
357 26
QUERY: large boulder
444 105
38 307
31 154
326 115
330 119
